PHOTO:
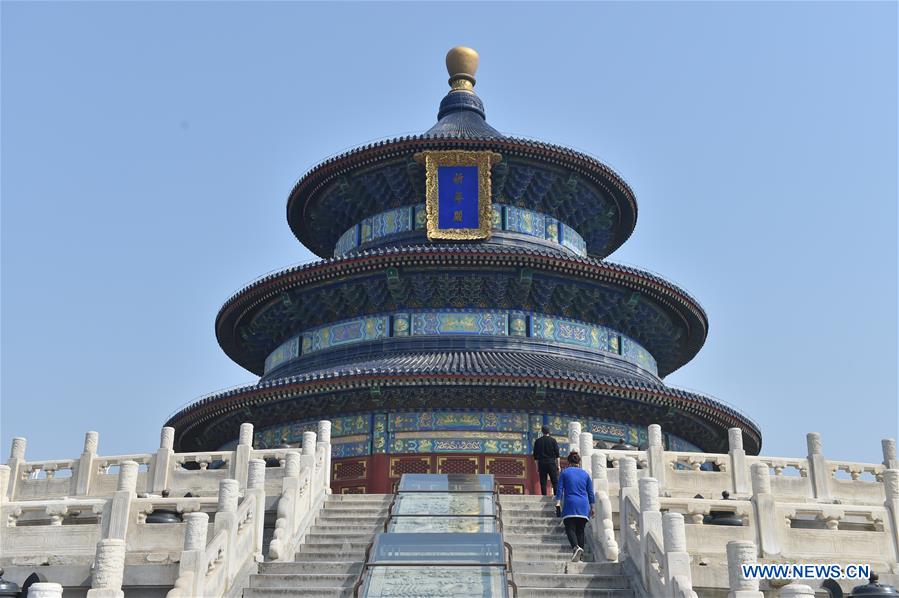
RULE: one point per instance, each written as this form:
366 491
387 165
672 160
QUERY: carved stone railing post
307 461
191 573
599 472
627 487
574 436
256 488
603 526
109 569
819 471
677 559
45 590
241 462
226 520
84 474
4 483
891 502
889 453
281 545
109 563
739 472
796 590
585 443
741 552
16 463
650 521
162 462
324 439
768 528
120 508
655 454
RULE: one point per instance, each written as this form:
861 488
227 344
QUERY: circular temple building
462 302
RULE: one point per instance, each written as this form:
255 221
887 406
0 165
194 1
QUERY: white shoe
578 553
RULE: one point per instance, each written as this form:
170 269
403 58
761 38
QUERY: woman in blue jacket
574 493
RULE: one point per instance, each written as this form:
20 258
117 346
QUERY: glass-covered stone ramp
443 537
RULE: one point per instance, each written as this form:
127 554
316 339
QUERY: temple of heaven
462 302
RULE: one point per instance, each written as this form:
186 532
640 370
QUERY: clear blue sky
148 150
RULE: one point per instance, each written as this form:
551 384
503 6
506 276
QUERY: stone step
360 497
527 498
337 538
533 528
573 592
567 567
549 508
349 507
536 539
300 567
518 517
571 581
353 544
318 552
354 507
549 555
332 527
350 518
557 545
304 580
303 592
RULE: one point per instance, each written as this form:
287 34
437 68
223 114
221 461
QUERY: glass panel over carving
426 482
436 582
454 525
427 503
443 538
437 548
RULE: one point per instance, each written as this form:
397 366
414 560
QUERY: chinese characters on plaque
457 193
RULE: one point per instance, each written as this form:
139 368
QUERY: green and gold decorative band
458 193
466 322
504 218
452 431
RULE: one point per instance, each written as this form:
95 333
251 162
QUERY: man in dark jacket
546 455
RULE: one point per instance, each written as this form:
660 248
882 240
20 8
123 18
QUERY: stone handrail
779 464
810 513
615 456
49 467
686 474
220 568
94 529
303 490
678 460
782 529
603 527
856 470
197 472
146 506
655 544
695 510
221 565
202 459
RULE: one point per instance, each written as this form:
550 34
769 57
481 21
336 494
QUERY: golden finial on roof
462 64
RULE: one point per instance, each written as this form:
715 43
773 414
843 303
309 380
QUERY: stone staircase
328 563
542 558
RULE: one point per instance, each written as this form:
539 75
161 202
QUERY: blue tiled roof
462 115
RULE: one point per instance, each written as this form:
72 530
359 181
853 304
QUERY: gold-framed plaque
458 201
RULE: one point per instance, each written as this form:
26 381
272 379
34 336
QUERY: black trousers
574 529
548 468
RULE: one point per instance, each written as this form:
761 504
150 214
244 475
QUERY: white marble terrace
793 510
82 522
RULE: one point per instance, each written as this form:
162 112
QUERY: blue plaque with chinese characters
457 196
458 201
